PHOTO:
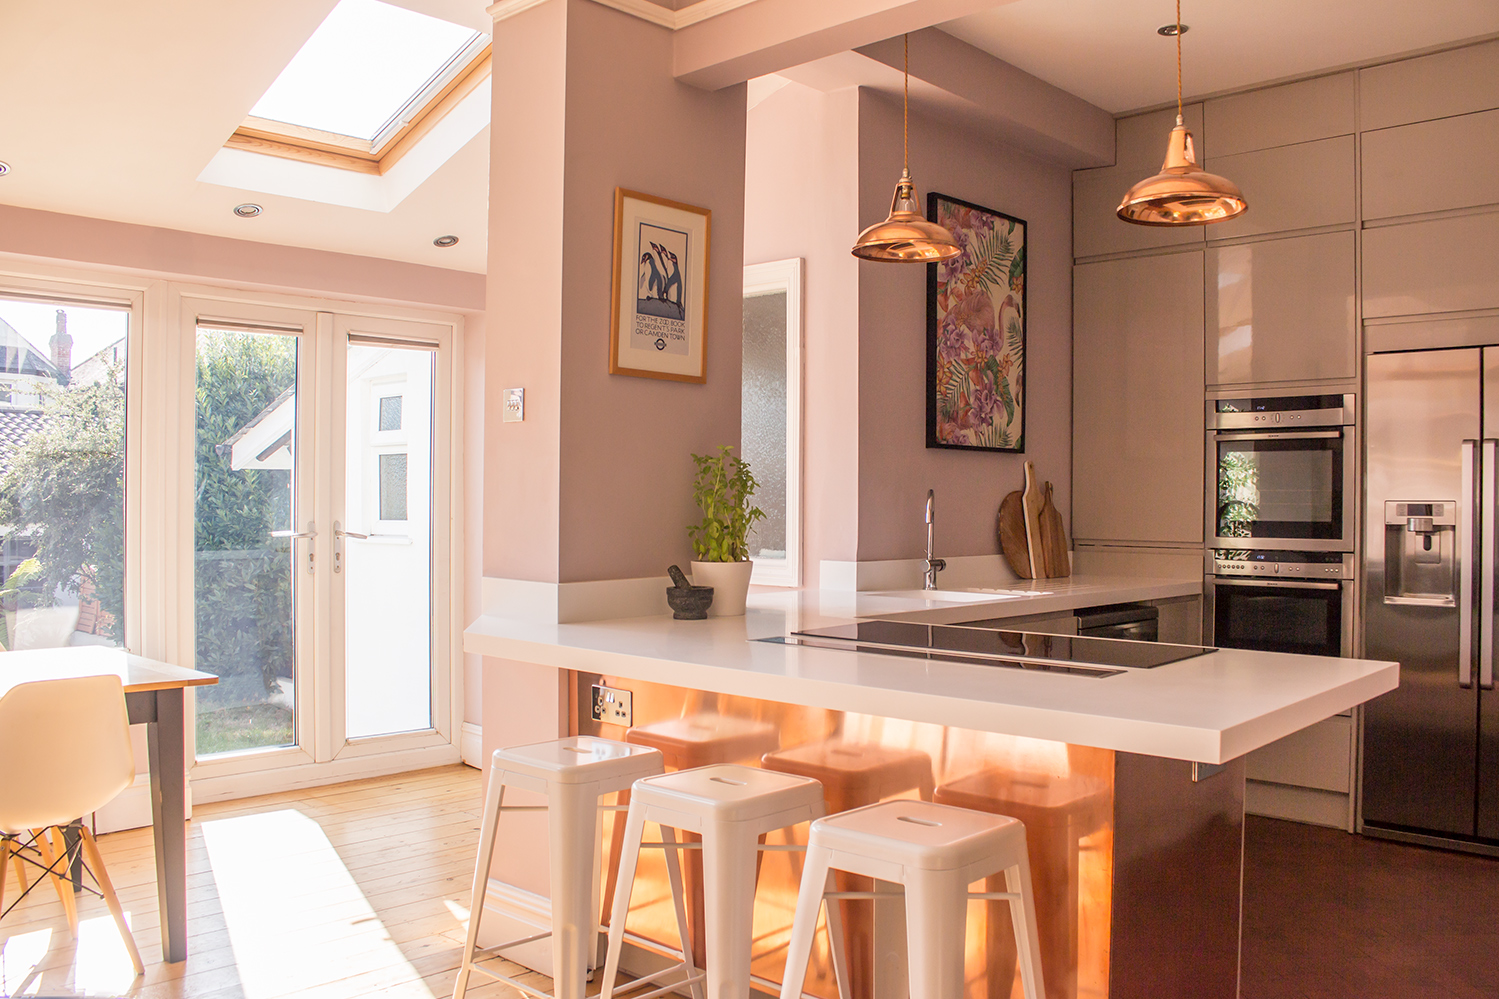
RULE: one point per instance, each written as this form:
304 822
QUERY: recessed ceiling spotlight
445 241
4 168
1171 30
247 211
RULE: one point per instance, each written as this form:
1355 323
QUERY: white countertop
1211 708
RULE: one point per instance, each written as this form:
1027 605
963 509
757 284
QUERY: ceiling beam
771 35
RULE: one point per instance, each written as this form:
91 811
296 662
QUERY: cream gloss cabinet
1281 310
1137 467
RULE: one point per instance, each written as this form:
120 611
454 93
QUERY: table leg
72 842
169 820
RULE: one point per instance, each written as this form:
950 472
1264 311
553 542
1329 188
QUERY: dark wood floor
1333 916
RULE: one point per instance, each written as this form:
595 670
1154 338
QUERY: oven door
1290 490
1302 618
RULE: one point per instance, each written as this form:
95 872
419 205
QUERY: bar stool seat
731 807
1057 812
852 775
573 773
934 852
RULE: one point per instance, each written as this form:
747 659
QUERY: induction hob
979 640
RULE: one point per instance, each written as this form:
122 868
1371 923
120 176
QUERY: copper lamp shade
906 236
1182 193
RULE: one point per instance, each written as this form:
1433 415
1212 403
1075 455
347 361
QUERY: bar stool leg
679 902
837 939
628 859
816 879
572 812
1023 915
729 879
936 928
494 798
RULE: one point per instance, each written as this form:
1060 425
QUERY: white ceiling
1108 53
113 110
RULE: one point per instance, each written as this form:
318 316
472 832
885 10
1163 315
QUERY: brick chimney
62 349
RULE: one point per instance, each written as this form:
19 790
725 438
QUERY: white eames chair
66 747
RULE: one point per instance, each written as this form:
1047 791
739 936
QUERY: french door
321 548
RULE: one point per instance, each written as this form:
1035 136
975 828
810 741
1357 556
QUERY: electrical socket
612 705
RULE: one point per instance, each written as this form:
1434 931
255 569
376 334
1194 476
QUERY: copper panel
1067 790
1178 863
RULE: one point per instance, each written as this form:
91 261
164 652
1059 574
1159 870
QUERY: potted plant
722 488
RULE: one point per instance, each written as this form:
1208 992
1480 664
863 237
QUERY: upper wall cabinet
1441 265
1300 186
1281 310
1436 86
1137 418
1432 166
1281 116
1140 147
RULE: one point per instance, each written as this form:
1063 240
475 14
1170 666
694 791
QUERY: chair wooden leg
15 847
110 898
64 886
4 862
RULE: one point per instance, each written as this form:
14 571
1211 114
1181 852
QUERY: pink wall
472 526
801 200
895 467
241 263
596 483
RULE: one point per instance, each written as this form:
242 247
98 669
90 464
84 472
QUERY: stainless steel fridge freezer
1430 764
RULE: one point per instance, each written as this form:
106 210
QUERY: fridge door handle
1486 538
1465 552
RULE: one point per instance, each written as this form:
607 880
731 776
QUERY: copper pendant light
1182 193
906 236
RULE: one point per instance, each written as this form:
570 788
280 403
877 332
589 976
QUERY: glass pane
243 577
390 413
361 66
392 487
388 576
62 475
762 434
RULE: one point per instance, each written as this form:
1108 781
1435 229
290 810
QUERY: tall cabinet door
1488 695
1419 739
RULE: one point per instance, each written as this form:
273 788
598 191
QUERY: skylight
364 65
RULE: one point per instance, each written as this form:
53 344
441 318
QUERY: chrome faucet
933 565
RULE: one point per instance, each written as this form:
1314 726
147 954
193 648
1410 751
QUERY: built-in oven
1281 472
1279 601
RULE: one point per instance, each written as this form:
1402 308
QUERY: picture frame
976 329
658 318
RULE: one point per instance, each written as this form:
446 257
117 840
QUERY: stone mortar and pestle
688 602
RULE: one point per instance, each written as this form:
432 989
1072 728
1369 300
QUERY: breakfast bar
1129 777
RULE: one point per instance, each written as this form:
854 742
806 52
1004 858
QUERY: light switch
515 405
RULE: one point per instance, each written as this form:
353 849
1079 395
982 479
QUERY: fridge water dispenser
1420 542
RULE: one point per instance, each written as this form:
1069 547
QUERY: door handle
1486 539
1465 553
338 545
306 535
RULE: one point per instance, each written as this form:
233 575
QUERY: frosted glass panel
763 420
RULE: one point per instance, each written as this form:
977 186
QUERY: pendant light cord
905 108
1178 62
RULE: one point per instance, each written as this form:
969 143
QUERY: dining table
155 696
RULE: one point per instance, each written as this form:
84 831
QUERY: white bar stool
573 773
935 852
731 807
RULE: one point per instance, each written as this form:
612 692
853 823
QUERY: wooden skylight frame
345 152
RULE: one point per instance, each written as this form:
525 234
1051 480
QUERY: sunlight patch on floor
101 964
19 958
260 862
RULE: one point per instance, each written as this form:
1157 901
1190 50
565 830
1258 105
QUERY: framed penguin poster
660 308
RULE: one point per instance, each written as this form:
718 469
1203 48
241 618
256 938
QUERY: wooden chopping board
1011 531
1053 540
1032 500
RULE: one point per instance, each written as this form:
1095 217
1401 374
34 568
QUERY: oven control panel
1282 565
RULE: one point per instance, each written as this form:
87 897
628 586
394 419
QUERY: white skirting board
471 744
1298 804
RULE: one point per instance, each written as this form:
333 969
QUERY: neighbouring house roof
264 442
16 427
19 357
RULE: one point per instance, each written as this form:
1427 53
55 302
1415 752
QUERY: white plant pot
730 582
